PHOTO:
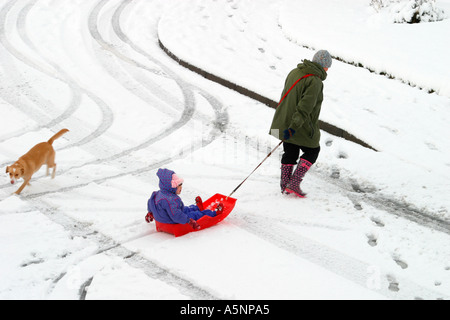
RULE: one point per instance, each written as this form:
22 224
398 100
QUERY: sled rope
271 152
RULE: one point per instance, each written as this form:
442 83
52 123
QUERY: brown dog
33 160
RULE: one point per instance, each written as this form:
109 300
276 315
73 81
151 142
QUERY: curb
327 127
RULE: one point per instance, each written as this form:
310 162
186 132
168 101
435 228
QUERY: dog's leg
54 171
25 183
51 163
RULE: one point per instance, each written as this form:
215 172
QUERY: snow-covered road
96 68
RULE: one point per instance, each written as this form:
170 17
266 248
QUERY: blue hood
165 180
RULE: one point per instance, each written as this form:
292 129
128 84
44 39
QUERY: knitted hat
176 181
323 58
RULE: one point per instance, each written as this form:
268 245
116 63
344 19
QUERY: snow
375 225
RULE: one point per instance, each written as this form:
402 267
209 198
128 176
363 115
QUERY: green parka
300 109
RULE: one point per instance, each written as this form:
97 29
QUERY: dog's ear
22 170
7 169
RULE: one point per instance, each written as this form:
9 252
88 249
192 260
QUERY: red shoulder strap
308 75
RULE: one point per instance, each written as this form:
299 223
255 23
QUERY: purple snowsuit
167 206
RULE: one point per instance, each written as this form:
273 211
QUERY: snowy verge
414 54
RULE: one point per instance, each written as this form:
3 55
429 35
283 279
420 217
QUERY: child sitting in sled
165 205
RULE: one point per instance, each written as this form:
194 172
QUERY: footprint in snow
431 146
342 155
401 263
335 173
361 188
31 262
377 221
393 283
372 240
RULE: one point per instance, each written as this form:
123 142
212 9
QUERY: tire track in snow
78 91
221 116
189 101
56 73
353 269
109 246
219 124
221 120
150 268
25 96
144 264
360 194
358 271
187 114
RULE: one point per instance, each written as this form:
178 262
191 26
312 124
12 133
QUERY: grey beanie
323 58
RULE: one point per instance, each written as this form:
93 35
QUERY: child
165 205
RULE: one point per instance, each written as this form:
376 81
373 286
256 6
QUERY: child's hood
165 180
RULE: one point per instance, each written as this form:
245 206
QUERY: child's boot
199 203
219 209
149 217
194 224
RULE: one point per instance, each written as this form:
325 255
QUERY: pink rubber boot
286 174
297 178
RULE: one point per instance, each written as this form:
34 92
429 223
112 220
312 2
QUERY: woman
297 119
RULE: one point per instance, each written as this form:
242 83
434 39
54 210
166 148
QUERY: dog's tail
58 135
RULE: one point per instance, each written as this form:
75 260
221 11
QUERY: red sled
204 222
